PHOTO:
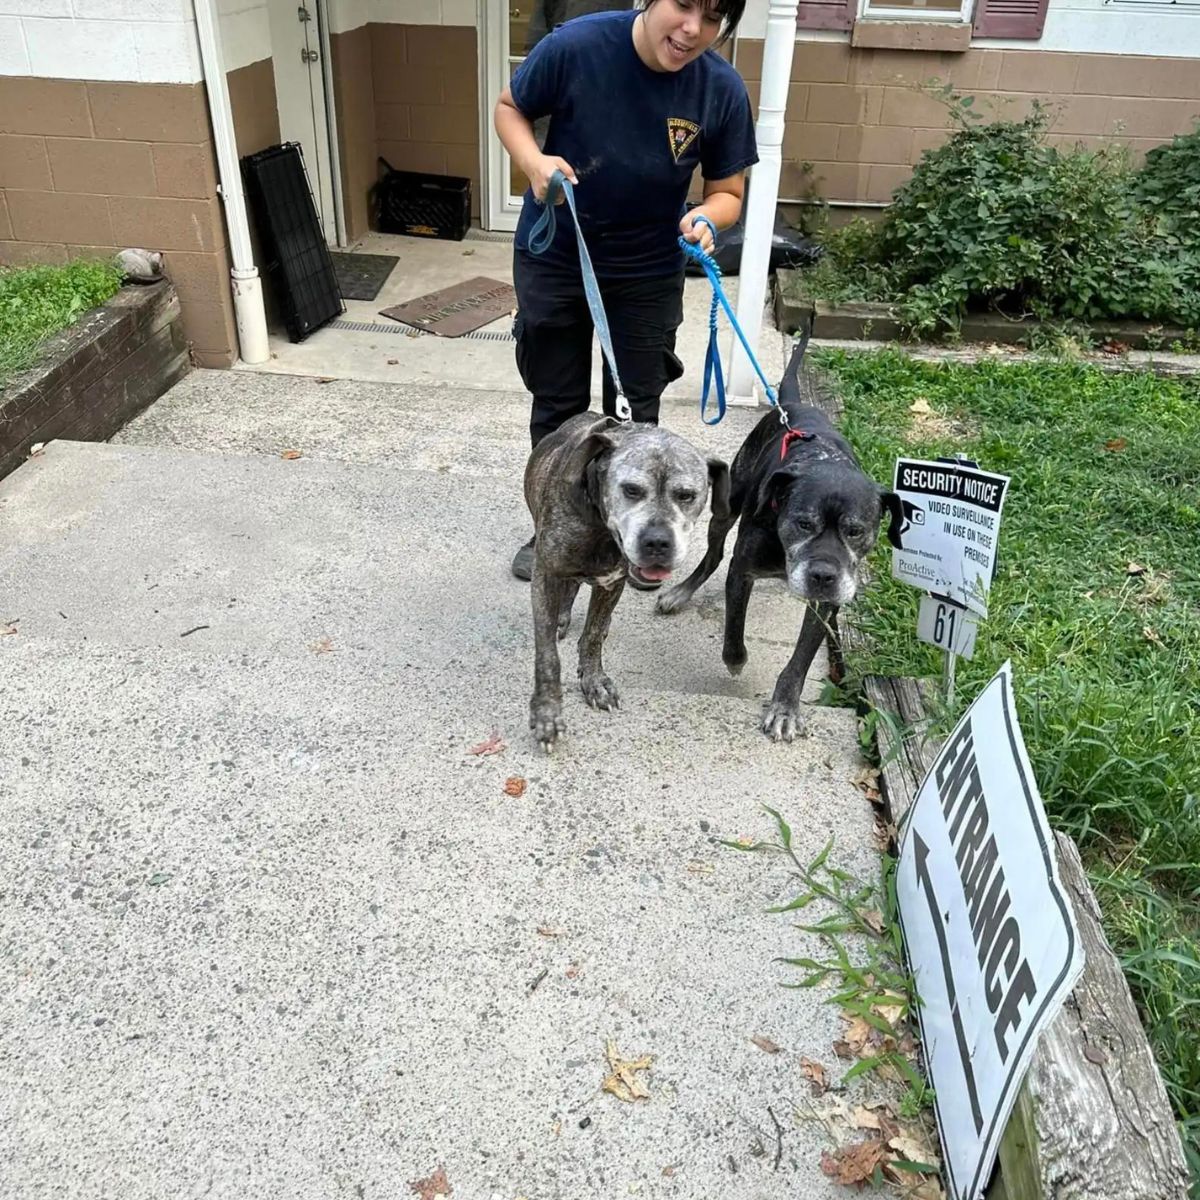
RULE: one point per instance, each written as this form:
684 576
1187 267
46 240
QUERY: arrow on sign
921 853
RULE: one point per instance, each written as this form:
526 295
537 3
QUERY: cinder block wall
89 167
858 116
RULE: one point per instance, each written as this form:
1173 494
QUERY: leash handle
540 238
712 360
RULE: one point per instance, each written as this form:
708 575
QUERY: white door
511 28
298 54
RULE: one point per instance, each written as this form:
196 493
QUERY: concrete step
453 430
271 930
138 546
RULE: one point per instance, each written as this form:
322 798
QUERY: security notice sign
990 935
950 529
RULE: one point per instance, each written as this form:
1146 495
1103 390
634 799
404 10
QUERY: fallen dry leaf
550 931
912 1146
854 1163
435 1185
622 1080
842 1048
291 454
514 785
816 1075
1151 635
696 867
1135 569
920 405
928 1189
867 777
493 745
872 918
885 833
858 1033
892 1010
1115 444
863 1118
1114 348
7 630
324 646
765 1043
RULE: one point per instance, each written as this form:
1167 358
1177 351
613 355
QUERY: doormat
360 276
456 310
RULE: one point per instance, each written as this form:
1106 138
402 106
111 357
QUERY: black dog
808 515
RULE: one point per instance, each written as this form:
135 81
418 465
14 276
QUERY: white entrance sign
950 530
989 932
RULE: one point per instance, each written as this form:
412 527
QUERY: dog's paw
599 691
734 658
781 722
564 623
672 600
545 719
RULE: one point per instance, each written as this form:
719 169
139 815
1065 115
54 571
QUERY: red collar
792 435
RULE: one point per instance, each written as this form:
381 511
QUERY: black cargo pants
553 328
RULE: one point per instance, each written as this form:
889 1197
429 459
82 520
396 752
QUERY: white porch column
764 192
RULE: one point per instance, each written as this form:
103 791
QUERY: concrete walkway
364 345
271 930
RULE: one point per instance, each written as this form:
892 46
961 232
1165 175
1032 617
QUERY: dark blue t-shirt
634 137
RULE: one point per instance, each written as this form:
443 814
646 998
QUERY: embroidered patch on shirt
681 134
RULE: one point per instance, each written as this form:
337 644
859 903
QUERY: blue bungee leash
540 237
712 359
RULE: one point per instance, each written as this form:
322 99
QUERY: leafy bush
38 301
997 218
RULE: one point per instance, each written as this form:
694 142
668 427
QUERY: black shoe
522 563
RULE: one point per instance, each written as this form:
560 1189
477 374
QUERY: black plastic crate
297 260
421 205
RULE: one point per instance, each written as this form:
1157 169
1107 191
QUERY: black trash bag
788 248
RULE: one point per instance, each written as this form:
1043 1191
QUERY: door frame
498 209
296 116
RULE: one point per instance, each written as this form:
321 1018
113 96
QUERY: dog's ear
891 505
582 468
773 487
718 486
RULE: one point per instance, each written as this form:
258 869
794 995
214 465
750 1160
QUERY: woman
636 102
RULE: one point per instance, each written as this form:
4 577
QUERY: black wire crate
422 205
296 259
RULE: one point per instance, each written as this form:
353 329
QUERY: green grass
38 301
1106 474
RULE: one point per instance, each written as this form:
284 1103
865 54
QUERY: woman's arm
516 133
722 205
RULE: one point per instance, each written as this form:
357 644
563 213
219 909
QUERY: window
918 10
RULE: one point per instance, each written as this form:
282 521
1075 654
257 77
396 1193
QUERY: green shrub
38 301
995 218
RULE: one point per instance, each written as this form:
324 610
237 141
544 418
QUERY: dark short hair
730 12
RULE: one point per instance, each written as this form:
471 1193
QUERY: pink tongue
654 572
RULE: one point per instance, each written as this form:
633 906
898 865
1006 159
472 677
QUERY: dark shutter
1010 18
826 14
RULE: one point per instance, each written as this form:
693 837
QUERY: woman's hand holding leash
539 172
697 228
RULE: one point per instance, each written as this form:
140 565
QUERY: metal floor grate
487 235
477 335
